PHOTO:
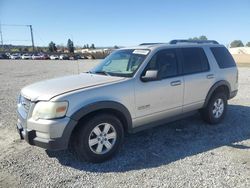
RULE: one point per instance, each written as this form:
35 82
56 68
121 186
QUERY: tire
99 138
216 108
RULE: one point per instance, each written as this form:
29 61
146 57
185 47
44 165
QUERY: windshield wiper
102 72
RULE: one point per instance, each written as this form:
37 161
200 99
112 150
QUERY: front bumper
50 144
42 132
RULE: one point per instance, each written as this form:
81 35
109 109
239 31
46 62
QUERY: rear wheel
216 108
99 138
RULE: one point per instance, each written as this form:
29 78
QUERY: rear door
198 77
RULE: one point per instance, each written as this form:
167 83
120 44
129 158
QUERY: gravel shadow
166 144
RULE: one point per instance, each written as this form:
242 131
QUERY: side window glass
194 60
165 62
223 57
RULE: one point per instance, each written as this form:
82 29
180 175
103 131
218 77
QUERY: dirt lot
186 153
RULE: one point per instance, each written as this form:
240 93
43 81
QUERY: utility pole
32 38
1 35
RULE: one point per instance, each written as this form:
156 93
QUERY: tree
39 49
116 47
70 46
25 49
52 47
92 46
202 37
236 43
194 38
248 44
86 46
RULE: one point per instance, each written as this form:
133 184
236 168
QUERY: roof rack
193 41
153 43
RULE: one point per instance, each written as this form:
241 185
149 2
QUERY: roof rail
152 43
193 41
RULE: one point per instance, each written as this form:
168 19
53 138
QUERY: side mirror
150 75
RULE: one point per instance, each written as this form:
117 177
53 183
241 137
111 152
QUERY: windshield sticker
141 52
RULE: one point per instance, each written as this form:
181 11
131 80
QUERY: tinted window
165 62
194 60
223 57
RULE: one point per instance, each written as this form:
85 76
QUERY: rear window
194 60
223 57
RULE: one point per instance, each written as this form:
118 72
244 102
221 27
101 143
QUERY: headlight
50 110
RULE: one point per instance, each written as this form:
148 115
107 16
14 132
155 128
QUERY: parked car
4 56
37 56
45 56
72 58
63 57
130 90
75 57
15 56
54 57
26 56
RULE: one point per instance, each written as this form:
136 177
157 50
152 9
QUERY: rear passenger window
223 57
194 60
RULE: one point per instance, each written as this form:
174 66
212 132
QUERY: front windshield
122 63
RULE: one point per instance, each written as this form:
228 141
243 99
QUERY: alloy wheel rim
218 108
102 138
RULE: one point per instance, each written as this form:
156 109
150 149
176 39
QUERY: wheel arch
222 85
111 107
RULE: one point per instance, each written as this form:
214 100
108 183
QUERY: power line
19 25
16 40
15 25
39 36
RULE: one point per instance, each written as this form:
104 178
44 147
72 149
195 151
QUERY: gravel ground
186 153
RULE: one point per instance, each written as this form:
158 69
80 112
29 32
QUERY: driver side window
165 61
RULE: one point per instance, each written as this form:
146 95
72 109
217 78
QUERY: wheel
99 138
216 108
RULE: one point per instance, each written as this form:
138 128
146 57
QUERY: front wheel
216 108
99 138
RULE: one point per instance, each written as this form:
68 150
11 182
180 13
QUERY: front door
162 98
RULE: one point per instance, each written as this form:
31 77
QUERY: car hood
45 90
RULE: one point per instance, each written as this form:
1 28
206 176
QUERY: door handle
175 83
210 76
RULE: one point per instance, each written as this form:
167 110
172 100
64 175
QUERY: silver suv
132 89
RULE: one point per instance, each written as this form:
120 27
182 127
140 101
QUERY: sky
124 22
